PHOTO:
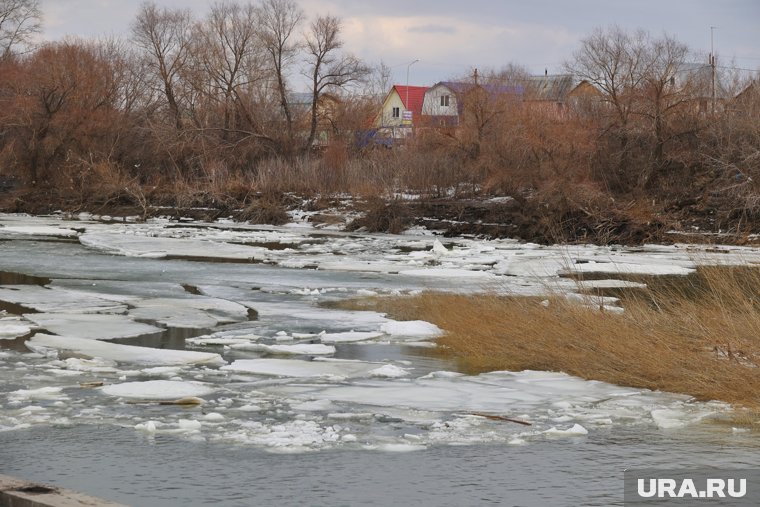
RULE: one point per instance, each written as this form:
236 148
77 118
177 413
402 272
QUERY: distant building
401 110
327 106
445 102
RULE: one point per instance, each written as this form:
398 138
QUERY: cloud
433 29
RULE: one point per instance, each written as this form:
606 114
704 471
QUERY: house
558 95
696 86
445 102
401 110
747 101
327 109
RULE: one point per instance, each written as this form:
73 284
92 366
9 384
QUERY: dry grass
699 335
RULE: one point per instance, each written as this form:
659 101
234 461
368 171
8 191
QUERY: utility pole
407 81
712 66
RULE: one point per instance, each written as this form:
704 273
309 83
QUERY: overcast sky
450 37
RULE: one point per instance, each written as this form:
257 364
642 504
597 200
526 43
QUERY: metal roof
415 96
549 87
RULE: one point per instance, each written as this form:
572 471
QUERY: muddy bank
538 219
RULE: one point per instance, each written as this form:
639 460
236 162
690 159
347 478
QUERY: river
299 404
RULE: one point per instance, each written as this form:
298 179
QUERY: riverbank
695 335
543 219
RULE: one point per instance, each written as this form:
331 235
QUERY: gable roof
416 96
492 89
549 87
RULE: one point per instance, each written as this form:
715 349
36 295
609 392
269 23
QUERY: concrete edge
20 493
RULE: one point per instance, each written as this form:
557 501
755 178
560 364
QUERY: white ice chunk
196 312
309 349
349 336
123 353
448 273
92 326
411 328
389 371
39 230
42 393
298 368
157 247
575 430
45 299
438 247
11 330
158 390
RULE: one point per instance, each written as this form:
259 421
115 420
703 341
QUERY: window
444 100
396 112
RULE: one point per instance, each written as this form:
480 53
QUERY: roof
494 90
414 94
549 87
699 75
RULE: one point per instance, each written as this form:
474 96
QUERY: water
119 464
302 440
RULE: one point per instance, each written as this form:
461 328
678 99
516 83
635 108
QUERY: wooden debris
190 401
92 384
495 417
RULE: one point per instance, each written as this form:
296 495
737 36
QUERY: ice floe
49 299
195 312
308 349
122 353
158 390
411 329
300 368
92 326
13 328
349 336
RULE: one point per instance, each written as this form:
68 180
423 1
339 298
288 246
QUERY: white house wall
386 117
431 106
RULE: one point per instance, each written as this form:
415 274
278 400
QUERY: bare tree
328 69
19 21
379 81
639 79
226 48
666 89
164 36
278 22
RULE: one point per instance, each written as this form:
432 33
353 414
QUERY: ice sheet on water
49 299
303 369
92 325
157 247
349 336
389 371
11 328
307 349
455 273
42 393
504 393
189 312
38 230
158 390
122 353
411 328
307 314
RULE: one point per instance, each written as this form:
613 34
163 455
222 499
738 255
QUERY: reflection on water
13 278
171 338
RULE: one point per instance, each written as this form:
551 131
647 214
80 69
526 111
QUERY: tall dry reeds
698 335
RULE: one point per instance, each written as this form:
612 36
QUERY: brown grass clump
699 336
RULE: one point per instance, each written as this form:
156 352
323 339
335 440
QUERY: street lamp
407 81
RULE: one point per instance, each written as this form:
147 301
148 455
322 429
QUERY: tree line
205 107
